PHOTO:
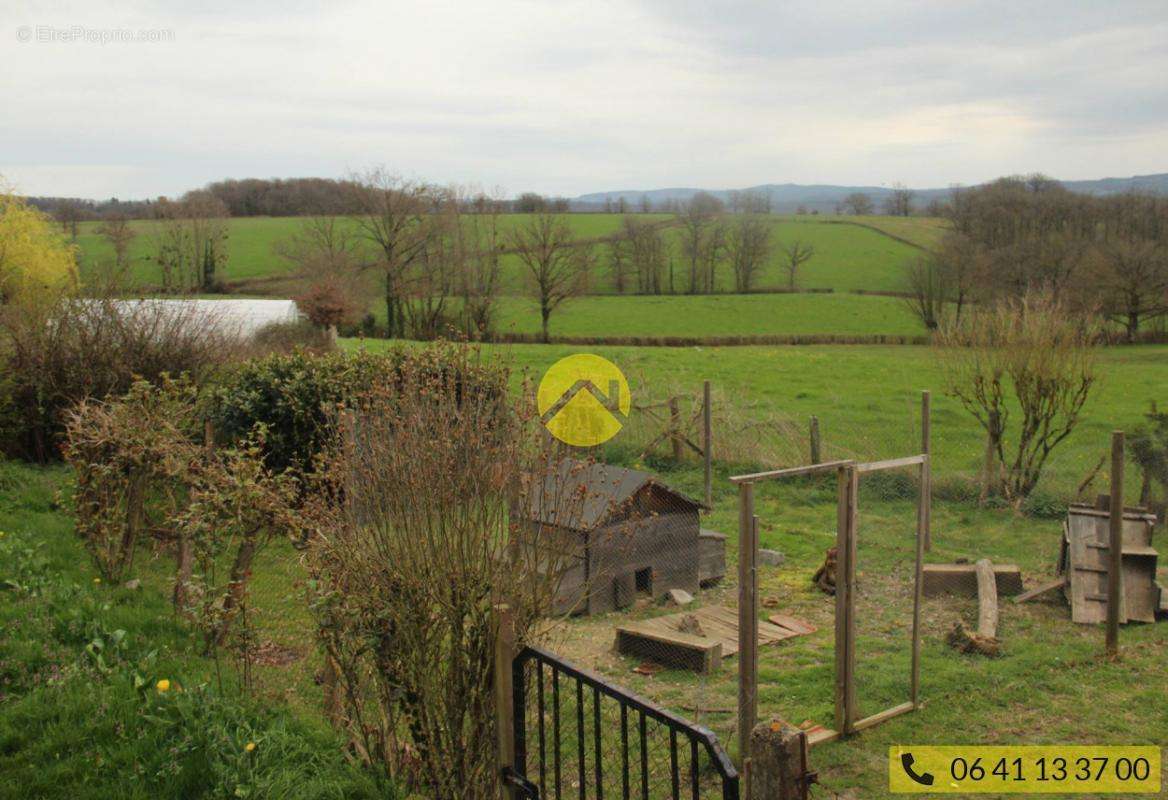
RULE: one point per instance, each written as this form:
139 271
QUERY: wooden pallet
1085 558
661 638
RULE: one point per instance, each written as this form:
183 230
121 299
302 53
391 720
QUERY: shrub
73 349
284 337
132 458
410 565
292 397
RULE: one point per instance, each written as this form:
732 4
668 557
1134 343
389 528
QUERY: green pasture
848 255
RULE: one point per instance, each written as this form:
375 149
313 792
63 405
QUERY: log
987 600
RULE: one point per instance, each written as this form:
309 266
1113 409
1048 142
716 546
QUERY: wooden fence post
815 452
707 443
747 618
926 509
778 765
1115 546
504 694
845 623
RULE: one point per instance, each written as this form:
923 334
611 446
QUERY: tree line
1025 235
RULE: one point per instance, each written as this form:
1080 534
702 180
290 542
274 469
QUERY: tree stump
778 762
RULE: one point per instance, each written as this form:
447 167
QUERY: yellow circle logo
583 400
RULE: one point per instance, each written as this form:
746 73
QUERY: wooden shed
626 533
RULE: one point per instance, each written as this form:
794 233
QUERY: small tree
858 203
117 231
748 246
1030 355
797 254
1149 449
557 266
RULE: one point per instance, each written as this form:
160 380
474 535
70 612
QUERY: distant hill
786 197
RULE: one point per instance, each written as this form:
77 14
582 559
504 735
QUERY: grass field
848 256
1051 684
866 397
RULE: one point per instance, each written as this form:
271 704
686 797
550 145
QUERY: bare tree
481 246
557 267
858 203
392 219
646 204
191 241
703 240
899 203
797 254
748 246
1030 355
117 231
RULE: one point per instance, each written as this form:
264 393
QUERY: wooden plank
675 650
891 463
797 626
1041 590
883 716
821 735
987 600
791 472
961 579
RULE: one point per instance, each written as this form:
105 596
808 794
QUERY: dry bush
420 535
57 355
1031 357
236 506
132 458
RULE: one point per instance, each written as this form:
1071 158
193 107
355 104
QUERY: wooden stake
708 443
815 454
925 514
850 708
747 610
844 605
987 599
504 693
1115 545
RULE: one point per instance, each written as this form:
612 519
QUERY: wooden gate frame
848 472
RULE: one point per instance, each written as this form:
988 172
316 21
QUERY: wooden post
1115 546
747 618
924 509
504 694
844 603
675 429
779 763
708 443
815 453
924 518
850 708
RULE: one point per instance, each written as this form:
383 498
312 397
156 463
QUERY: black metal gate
578 736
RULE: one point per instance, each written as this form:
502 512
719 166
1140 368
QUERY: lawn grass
73 726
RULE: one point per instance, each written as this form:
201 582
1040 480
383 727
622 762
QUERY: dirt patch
270 654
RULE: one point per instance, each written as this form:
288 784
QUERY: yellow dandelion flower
97 580
163 685
249 746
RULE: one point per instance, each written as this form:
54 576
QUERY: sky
140 99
